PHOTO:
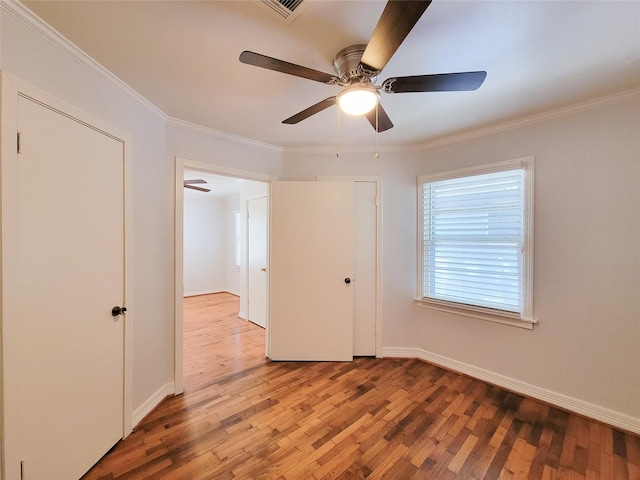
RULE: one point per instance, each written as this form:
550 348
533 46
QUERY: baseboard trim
596 412
152 402
210 292
201 292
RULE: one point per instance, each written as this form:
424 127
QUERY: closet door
311 266
71 274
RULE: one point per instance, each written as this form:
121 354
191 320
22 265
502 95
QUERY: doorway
249 184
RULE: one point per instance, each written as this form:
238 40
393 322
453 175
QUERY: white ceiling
183 57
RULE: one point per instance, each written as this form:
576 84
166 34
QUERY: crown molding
533 119
335 150
18 10
210 132
30 19
480 132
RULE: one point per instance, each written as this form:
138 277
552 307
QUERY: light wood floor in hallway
243 417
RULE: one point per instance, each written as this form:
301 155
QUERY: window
476 240
236 216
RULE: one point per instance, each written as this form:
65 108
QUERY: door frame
182 164
378 182
11 88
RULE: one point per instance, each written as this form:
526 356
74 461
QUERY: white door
257 254
365 270
311 265
71 274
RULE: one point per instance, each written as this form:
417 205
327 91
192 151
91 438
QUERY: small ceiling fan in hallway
358 66
191 184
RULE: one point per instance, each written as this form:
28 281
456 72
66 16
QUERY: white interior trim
602 414
475 312
203 292
478 132
183 164
355 149
26 16
210 132
152 402
532 119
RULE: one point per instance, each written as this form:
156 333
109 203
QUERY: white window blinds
473 234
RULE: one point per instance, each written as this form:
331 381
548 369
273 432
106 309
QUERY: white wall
204 245
587 258
209 245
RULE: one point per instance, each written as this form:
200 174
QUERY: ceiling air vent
285 8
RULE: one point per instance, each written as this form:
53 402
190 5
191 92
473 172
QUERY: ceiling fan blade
191 182
258 60
312 110
396 21
442 82
197 188
384 122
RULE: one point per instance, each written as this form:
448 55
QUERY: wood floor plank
244 417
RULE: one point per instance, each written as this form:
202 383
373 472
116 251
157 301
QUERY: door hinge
21 469
18 144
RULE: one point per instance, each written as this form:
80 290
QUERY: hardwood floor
243 417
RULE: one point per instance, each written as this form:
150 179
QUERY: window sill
513 320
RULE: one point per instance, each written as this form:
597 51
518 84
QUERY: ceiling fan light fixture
358 99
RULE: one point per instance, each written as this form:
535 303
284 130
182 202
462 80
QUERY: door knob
347 280
263 269
115 311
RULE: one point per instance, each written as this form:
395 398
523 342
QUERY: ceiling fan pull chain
376 154
338 146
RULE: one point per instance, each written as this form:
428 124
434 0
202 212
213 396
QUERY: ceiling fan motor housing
348 67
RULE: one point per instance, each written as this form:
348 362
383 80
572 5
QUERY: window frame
525 319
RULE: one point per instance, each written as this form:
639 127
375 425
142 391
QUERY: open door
311 265
257 260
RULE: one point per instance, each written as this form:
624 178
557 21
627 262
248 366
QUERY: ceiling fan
190 184
358 66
